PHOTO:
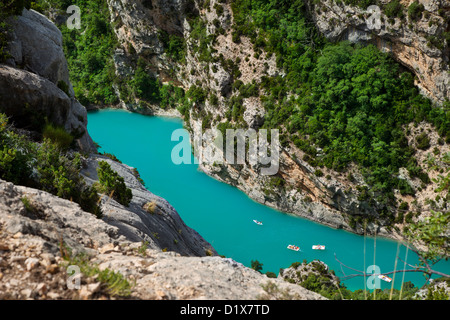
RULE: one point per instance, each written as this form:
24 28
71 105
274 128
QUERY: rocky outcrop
206 278
37 229
36 45
417 43
299 272
148 218
35 85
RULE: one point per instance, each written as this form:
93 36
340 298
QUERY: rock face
37 45
417 43
148 218
35 84
34 236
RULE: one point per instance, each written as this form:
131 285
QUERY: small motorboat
259 223
292 247
318 247
385 278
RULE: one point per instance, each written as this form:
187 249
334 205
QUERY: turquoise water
223 215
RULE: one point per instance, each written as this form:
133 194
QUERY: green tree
144 85
256 265
110 182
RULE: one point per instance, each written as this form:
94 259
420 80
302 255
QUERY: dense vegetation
89 51
45 165
113 282
340 103
111 183
325 283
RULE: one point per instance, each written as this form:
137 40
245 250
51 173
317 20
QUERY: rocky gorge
331 198
144 246
147 239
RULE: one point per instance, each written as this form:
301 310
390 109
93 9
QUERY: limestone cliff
34 81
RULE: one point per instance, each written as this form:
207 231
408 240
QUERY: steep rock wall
35 79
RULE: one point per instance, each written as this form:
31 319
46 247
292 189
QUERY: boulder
34 83
30 99
37 47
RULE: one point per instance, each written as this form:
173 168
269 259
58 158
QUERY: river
224 215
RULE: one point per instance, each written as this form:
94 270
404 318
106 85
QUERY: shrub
219 9
63 86
422 141
276 182
58 136
318 173
110 181
415 10
394 9
197 94
89 201
403 206
174 45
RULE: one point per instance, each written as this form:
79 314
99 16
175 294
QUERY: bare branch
378 274
424 269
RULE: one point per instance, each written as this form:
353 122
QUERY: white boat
385 278
318 247
258 222
292 247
